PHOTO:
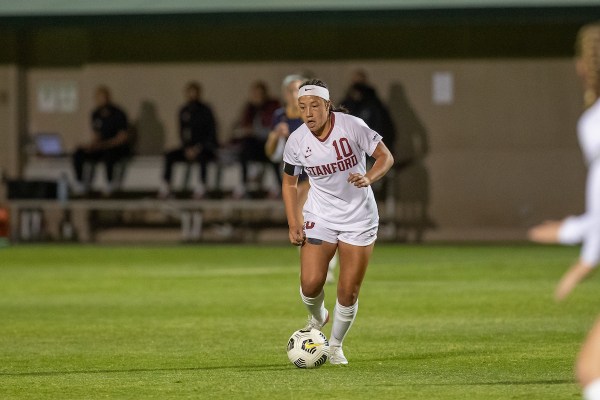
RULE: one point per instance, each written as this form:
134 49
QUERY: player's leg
588 364
248 153
590 256
354 260
170 158
586 227
203 158
111 157
79 158
315 256
574 275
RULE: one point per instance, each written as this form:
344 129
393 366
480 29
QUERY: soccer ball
308 348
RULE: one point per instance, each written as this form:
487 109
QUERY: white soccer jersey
328 162
588 129
586 227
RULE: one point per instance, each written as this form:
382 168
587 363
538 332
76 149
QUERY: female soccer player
583 228
286 120
340 212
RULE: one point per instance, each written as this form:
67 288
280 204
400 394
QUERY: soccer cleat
314 324
336 356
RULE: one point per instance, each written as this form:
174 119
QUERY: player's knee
312 287
347 297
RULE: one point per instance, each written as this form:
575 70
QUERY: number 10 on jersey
342 149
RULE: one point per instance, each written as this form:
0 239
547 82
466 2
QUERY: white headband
314 90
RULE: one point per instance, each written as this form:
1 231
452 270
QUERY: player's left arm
383 162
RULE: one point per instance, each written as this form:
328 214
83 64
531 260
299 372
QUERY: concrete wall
9 152
503 154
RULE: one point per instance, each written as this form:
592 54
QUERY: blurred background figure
253 127
583 228
198 135
410 177
286 119
588 365
363 102
110 144
358 76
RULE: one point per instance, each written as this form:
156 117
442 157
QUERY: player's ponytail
587 49
318 82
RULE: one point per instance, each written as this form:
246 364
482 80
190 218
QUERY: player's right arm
281 130
289 191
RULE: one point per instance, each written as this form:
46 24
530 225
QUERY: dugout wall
503 152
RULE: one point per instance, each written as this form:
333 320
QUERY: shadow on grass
240 368
457 353
492 383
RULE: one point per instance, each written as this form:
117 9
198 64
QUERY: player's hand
282 129
297 236
192 152
95 145
359 180
546 232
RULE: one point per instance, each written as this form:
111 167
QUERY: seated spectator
198 135
110 143
254 127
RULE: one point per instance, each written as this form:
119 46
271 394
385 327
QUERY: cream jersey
328 162
585 228
588 132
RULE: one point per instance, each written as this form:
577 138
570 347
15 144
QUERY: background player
340 212
287 119
584 228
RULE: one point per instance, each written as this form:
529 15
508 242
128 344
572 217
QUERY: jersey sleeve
366 137
291 162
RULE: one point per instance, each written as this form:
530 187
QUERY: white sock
342 321
592 391
315 305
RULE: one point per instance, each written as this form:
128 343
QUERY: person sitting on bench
110 143
198 134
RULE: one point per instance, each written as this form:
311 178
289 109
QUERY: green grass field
435 322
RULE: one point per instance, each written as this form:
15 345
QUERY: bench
32 219
143 174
